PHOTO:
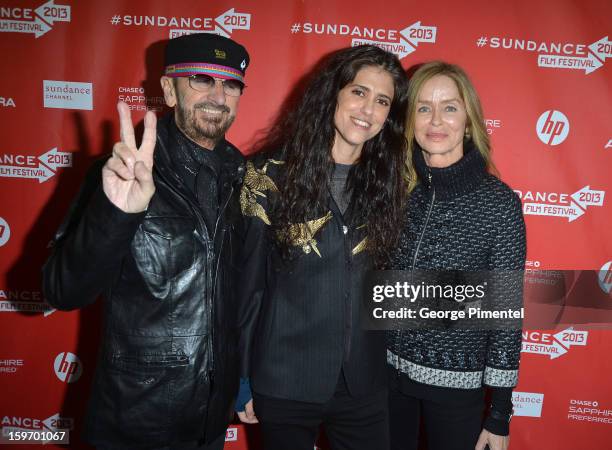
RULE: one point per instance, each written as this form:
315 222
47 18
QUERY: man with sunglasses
155 231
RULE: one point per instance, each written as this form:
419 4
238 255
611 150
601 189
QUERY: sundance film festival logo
68 367
39 168
68 95
552 127
553 345
605 277
14 19
51 423
556 55
5 232
14 300
556 204
401 43
224 24
527 404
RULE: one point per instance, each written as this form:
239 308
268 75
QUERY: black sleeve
504 346
501 403
88 247
255 196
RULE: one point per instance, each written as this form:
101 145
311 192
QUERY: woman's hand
494 441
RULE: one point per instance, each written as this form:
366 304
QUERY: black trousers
349 423
448 426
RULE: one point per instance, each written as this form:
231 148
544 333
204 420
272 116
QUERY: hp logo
68 367
605 277
5 232
552 127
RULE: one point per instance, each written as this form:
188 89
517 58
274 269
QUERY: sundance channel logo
527 404
68 95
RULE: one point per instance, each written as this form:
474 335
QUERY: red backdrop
542 73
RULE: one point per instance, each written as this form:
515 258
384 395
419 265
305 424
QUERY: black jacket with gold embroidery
301 319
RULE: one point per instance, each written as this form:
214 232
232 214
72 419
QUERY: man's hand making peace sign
127 177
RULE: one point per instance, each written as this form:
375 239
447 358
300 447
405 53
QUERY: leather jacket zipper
212 309
208 243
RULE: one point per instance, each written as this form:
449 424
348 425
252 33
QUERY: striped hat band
214 70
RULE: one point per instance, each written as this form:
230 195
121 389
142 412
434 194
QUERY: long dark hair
376 182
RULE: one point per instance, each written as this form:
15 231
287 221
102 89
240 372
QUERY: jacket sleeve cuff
498 427
498 418
244 394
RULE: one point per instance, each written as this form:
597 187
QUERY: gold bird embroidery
302 234
361 246
256 182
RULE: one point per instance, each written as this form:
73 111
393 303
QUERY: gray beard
214 130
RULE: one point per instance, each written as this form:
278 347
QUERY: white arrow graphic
602 44
55 159
589 63
578 212
405 50
66 422
38 27
237 21
596 64
561 350
428 33
571 211
53 13
42 173
37 307
401 48
587 197
49 311
563 337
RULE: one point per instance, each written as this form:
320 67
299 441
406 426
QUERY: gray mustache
221 108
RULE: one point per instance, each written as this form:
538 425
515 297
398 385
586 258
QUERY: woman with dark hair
460 218
321 211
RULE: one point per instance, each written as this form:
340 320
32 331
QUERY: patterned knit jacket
460 218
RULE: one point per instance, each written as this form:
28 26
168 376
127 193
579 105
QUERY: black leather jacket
167 369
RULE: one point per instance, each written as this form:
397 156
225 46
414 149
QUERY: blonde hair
475 126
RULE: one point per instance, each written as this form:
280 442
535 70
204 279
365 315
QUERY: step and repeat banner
542 69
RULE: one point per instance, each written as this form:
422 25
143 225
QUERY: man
155 232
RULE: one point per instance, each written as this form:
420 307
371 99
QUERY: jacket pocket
138 394
164 247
